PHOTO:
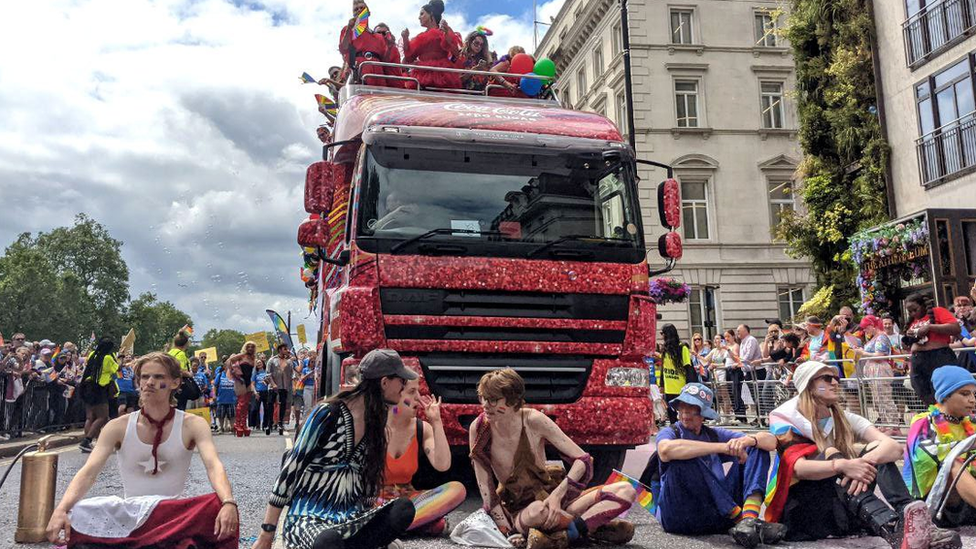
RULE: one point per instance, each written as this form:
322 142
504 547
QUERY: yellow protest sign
128 343
202 412
301 334
260 339
211 353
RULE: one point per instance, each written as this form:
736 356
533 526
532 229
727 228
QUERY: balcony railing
937 27
948 150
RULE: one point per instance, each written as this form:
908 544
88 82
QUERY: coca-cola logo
490 111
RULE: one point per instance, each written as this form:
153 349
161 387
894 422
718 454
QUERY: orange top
402 469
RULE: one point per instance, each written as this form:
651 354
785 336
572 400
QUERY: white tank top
136 462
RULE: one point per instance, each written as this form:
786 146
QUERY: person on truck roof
695 494
519 492
475 56
368 46
392 56
504 65
438 46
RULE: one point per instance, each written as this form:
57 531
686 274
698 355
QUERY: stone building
711 82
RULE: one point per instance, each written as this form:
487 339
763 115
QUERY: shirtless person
508 442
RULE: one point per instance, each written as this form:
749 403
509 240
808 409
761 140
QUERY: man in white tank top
154 447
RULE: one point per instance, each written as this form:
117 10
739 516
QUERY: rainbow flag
307 78
326 103
773 476
644 497
188 329
281 328
362 23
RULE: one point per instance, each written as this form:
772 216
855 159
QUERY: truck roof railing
366 79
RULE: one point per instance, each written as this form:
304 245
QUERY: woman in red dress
368 46
437 46
392 56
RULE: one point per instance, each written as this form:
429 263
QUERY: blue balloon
531 86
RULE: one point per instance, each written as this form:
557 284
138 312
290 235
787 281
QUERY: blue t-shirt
309 378
225 388
714 461
202 382
124 381
261 381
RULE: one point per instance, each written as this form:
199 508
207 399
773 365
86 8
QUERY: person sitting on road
331 478
697 495
932 439
410 440
825 487
508 453
154 447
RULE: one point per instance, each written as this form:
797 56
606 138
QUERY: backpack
651 476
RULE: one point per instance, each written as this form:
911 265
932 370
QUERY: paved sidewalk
10 448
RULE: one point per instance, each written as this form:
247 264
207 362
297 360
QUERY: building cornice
579 33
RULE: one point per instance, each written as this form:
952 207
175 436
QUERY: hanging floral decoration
901 250
310 274
669 290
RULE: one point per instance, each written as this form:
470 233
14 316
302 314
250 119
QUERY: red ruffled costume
368 46
433 48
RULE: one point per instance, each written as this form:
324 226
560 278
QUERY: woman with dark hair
435 47
96 382
929 333
331 478
676 368
475 56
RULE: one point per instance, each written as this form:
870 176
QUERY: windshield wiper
433 232
575 237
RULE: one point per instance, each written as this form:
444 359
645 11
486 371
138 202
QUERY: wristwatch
269 528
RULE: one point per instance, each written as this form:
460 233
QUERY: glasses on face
697 339
829 378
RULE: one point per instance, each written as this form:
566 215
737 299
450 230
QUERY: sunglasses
697 339
828 378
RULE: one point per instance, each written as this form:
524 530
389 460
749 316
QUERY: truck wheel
605 460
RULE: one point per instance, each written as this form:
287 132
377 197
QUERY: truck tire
605 460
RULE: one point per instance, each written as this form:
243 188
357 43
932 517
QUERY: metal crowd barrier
38 409
888 400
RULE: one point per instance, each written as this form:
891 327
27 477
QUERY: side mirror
669 246
669 203
321 181
313 233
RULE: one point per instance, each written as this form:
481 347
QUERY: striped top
322 477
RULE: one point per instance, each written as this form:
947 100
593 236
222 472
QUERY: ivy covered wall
841 180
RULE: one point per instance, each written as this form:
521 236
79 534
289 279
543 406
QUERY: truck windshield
483 203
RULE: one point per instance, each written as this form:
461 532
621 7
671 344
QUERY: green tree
227 342
28 288
155 322
842 174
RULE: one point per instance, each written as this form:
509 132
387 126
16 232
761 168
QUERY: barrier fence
880 390
37 407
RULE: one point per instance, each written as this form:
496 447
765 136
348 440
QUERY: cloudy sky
182 126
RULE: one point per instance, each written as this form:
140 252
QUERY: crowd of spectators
43 389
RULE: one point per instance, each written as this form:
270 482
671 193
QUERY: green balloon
545 67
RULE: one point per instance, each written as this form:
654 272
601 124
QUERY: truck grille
481 333
418 301
553 379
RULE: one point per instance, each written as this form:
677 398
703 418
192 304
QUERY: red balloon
522 64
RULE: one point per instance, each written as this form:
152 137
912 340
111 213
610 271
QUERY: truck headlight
627 377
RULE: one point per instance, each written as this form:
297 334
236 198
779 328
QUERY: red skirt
173 524
436 79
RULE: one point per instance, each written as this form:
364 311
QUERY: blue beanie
948 379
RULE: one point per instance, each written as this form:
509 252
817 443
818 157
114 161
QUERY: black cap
380 363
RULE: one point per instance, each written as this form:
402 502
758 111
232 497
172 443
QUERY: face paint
407 402
396 410
163 385
821 389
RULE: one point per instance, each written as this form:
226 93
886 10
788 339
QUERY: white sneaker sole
918 526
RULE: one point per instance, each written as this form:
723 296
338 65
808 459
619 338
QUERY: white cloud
181 126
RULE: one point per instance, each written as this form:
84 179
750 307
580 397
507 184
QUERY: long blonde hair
843 433
246 343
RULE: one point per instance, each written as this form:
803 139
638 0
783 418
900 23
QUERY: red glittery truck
471 233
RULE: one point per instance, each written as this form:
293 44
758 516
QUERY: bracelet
229 502
754 439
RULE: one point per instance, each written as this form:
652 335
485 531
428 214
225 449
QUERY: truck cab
471 233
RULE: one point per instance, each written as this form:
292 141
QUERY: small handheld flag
327 104
644 497
483 30
188 329
362 23
307 78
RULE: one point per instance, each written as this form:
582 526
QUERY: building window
771 103
681 22
598 61
790 301
694 209
703 315
686 102
765 30
946 121
933 26
621 104
781 201
568 98
616 40
581 85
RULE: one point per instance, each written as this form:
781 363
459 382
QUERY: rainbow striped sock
736 513
751 507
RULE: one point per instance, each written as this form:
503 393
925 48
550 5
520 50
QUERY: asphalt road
252 464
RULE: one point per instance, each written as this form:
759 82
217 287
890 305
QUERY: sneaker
615 532
912 530
771 533
395 544
942 538
540 540
86 447
746 533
